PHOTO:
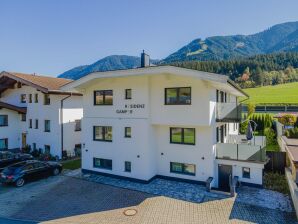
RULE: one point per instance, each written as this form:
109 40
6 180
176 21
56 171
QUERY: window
103 97
78 125
23 117
127 132
47 99
23 98
182 136
34 146
128 94
178 96
246 172
47 125
127 166
3 120
183 168
102 163
30 98
36 98
36 123
102 133
3 144
30 123
47 149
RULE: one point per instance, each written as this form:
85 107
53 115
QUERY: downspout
62 125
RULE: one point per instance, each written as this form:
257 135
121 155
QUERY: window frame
126 95
183 169
47 130
125 132
30 123
36 124
36 98
23 117
46 99
23 98
5 120
104 132
6 143
78 123
103 167
246 174
104 97
178 95
182 136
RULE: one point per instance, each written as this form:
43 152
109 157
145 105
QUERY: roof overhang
22 110
221 82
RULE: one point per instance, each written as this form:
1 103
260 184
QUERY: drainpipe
62 125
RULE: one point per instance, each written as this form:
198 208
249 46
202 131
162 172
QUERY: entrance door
224 176
24 140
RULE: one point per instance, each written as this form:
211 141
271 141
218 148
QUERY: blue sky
52 36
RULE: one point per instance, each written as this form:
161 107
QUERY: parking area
64 199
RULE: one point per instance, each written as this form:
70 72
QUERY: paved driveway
70 200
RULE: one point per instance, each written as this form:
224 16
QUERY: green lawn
72 164
278 94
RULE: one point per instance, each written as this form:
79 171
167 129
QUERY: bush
292 133
288 119
35 153
27 149
251 108
276 182
270 136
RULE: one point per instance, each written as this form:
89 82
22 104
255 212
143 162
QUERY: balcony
228 112
238 148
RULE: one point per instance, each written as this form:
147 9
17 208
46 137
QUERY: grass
282 94
72 164
276 182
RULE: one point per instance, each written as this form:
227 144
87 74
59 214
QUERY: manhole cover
130 212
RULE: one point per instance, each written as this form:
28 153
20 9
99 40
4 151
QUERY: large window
23 98
246 172
183 168
102 163
178 96
182 136
47 99
3 120
78 125
47 125
102 133
3 144
103 97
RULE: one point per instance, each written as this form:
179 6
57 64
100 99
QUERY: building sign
129 108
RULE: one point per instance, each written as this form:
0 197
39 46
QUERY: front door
24 140
224 176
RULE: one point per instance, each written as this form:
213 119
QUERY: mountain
279 38
113 62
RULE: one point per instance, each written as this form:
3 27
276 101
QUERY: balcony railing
237 148
228 112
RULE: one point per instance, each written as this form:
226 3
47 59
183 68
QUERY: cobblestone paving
71 200
193 192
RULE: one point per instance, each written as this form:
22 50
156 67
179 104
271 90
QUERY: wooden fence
277 162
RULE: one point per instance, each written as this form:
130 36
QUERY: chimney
145 60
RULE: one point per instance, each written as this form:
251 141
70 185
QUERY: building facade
166 121
35 112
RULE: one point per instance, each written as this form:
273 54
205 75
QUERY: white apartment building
169 122
34 111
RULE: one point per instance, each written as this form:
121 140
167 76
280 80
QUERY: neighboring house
34 111
169 122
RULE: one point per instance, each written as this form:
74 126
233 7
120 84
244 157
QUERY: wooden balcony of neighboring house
239 149
21 110
228 112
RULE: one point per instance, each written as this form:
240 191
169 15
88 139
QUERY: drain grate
130 212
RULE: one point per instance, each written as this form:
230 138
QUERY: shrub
251 108
270 136
35 153
288 119
292 133
27 149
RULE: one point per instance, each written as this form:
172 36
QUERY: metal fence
277 162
